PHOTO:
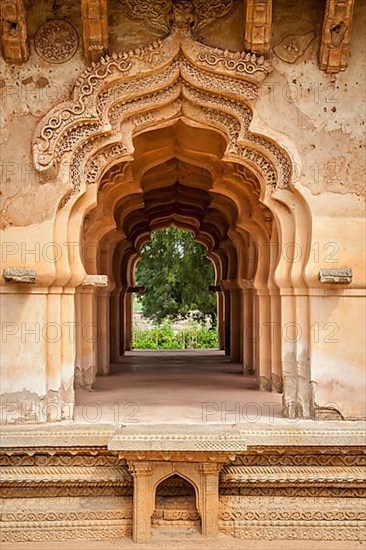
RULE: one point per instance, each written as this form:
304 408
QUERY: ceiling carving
161 16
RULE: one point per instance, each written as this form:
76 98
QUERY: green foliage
176 274
164 337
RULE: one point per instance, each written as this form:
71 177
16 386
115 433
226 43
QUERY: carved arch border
203 476
119 97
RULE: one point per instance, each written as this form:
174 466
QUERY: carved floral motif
162 16
56 41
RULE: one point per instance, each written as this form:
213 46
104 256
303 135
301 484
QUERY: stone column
68 352
247 343
302 356
142 511
235 325
209 498
288 358
128 321
87 357
122 322
103 332
220 320
227 318
53 337
275 341
263 344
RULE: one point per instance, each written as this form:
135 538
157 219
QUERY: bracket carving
334 48
94 15
258 26
14 31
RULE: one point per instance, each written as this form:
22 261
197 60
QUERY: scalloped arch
126 94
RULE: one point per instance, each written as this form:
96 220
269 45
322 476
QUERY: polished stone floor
176 387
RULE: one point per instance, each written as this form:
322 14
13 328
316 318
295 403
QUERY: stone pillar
220 320
247 343
288 358
235 325
122 322
103 332
263 344
86 367
115 325
209 498
53 337
128 321
302 356
275 341
227 320
68 351
141 472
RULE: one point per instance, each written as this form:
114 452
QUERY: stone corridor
176 387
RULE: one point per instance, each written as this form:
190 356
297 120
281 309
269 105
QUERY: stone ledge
294 474
178 438
19 275
304 433
22 475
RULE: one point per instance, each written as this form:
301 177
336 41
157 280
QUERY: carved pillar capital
14 31
209 468
140 468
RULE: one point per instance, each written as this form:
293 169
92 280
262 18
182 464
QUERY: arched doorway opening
175 504
174 305
155 143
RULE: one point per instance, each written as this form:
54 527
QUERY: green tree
176 274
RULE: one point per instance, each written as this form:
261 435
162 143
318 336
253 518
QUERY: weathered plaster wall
319 118
322 116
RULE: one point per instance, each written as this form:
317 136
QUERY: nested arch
163 135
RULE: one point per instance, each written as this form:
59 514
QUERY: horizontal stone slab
172 437
282 433
338 276
19 275
95 280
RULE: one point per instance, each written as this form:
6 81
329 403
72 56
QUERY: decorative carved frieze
239 63
69 475
268 492
337 276
310 475
56 41
14 31
163 16
258 26
94 14
305 456
171 438
334 48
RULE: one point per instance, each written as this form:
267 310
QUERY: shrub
164 337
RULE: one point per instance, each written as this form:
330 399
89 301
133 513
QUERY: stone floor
176 387
188 540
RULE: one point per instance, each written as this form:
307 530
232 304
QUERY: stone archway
202 475
127 118
175 504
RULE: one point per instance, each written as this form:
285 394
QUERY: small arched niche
176 504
